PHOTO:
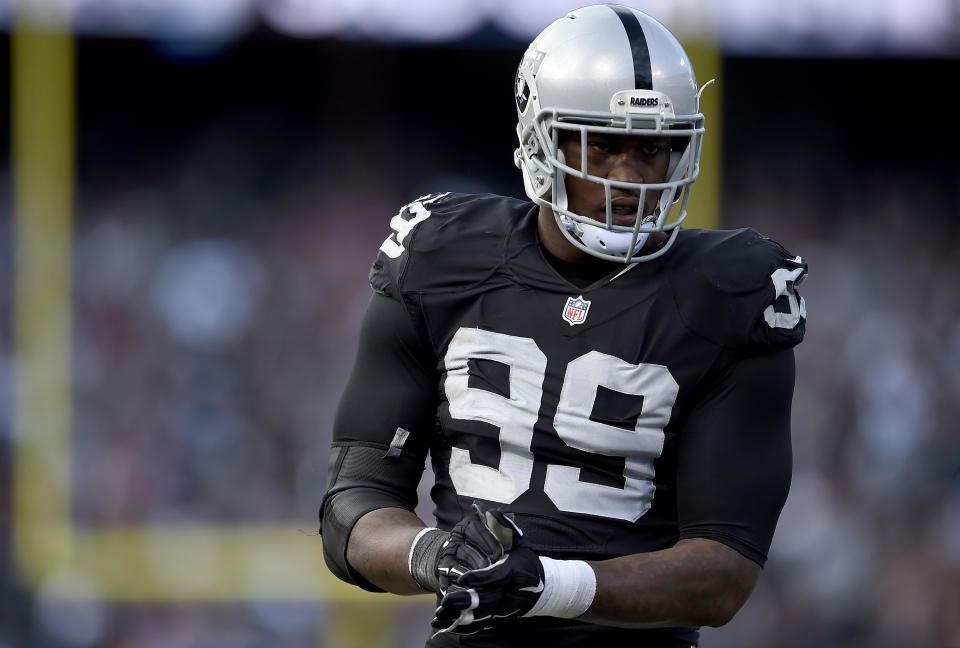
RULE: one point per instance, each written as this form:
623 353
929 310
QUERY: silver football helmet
613 70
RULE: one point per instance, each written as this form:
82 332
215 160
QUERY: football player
604 396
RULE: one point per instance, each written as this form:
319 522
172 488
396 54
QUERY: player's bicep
735 459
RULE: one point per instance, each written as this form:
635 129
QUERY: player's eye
651 149
601 146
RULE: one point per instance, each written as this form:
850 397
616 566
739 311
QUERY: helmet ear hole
532 146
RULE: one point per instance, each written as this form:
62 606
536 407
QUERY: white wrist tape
568 589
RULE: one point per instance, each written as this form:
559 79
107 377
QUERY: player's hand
438 558
507 588
471 545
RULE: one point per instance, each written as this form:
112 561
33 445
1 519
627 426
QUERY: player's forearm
379 548
697 582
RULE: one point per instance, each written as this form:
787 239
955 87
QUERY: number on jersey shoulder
409 216
785 281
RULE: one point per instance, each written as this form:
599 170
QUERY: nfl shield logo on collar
575 312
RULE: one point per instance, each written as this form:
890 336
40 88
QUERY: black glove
508 587
471 546
438 558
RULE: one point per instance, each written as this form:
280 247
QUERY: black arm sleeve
382 430
735 458
394 382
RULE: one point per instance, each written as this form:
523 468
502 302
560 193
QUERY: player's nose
626 168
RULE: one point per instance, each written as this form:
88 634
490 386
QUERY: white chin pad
601 239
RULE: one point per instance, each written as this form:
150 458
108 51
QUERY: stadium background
181 284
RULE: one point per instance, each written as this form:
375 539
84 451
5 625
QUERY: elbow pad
363 477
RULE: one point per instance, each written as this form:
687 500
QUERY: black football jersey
564 404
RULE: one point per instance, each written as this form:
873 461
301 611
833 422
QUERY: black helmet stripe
643 77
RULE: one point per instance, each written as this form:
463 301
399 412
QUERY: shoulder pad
739 289
388 269
444 242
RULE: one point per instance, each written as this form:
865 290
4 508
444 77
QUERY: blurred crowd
216 312
867 551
